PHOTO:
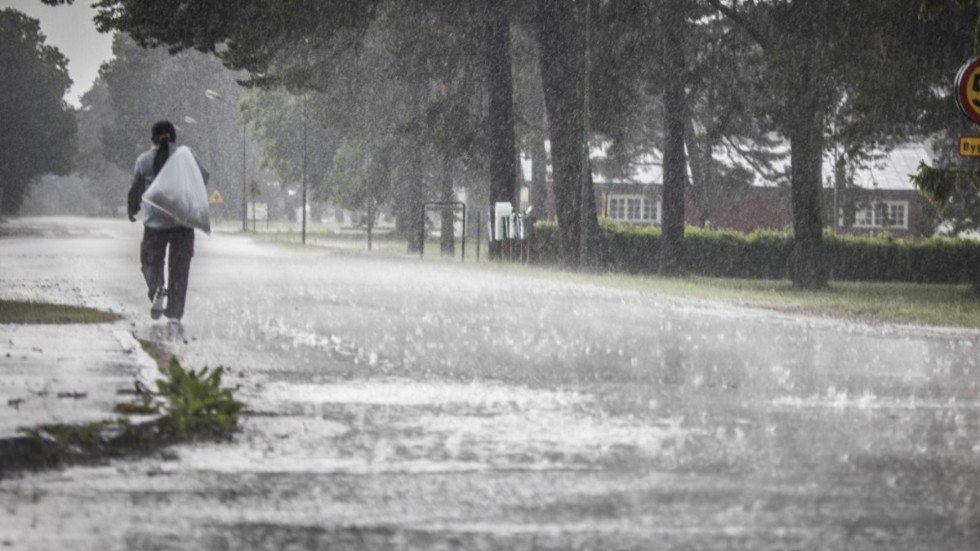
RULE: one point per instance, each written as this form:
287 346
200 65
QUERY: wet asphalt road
398 404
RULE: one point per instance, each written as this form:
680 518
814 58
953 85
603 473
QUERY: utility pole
304 169
212 95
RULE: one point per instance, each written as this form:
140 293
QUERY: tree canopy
142 86
859 72
953 186
425 87
299 46
38 134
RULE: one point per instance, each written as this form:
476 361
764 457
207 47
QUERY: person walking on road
165 239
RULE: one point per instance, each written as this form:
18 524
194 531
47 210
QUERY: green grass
943 305
382 245
925 304
31 313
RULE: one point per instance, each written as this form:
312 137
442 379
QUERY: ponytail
163 153
163 134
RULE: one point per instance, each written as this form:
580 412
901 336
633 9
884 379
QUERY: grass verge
904 303
35 313
872 302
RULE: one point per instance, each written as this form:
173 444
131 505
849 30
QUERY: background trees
146 85
298 46
824 61
417 100
953 183
560 28
38 133
106 181
295 146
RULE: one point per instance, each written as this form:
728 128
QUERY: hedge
766 254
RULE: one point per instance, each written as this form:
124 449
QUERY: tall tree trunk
675 160
503 151
560 40
447 241
539 177
538 151
415 177
806 151
702 192
371 213
416 198
804 127
589 218
843 211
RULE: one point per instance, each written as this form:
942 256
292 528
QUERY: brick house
880 198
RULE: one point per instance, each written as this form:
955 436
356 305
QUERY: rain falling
592 274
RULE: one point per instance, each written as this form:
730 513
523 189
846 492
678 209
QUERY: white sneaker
157 309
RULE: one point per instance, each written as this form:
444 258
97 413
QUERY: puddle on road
399 426
867 401
407 392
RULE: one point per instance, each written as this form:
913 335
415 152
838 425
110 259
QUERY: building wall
919 215
771 208
751 209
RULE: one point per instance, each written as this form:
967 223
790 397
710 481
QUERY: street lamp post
304 168
212 95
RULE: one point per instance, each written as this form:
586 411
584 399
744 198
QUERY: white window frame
633 208
878 214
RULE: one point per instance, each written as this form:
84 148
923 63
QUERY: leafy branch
930 10
938 184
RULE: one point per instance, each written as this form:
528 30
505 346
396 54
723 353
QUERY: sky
71 30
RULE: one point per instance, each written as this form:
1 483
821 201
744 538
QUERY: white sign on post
501 220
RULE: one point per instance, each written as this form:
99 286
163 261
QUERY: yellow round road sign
968 89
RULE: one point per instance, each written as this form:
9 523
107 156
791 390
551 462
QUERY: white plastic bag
178 190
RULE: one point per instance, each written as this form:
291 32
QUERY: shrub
767 254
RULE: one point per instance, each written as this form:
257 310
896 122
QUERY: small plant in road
188 402
195 401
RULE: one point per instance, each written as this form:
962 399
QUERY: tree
560 29
361 179
147 85
672 20
671 83
953 185
501 137
291 45
288 134
106 181
871 57
409 90
722 103
787 32
441 56
38 134
531 123
930 10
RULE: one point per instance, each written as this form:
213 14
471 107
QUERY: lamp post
212 95
304 168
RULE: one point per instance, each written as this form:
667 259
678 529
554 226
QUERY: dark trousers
154 254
